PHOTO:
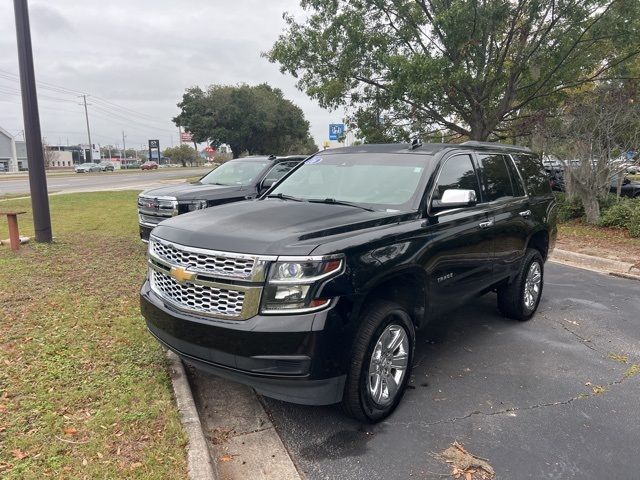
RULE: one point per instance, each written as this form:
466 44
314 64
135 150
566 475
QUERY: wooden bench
14 236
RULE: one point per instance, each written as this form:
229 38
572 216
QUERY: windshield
236 172
375 180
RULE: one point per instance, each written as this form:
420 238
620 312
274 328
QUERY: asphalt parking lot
547 398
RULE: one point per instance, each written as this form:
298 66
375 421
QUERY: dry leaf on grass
19 454
466 465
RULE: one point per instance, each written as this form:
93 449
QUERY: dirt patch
611 243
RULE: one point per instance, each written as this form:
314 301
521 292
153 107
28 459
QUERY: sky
135 58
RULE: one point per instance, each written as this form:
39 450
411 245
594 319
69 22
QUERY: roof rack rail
476 143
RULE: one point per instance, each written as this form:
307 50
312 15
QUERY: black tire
511 297
357 400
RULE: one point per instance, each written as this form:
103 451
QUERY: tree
592 133
183 154
255 119
306 146
473 67
48 155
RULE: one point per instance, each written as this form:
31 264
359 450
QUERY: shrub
570 208
623 214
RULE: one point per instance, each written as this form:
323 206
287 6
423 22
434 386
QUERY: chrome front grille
212 263
150 219
199 298
207 282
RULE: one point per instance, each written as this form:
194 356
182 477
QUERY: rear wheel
381 362
520 299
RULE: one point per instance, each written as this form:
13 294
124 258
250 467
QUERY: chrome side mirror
456 198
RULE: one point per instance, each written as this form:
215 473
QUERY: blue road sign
336 130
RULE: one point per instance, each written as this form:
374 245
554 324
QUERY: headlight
196 205
292 284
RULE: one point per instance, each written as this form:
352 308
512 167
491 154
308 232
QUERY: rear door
458 256
508 205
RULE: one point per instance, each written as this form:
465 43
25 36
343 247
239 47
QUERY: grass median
84 390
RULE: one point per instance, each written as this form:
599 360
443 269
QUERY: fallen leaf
135 465
70 431
19 454
226 458
598 389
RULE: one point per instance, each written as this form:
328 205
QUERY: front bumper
279 356
145 232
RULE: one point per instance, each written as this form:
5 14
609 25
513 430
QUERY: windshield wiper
282 196
340 202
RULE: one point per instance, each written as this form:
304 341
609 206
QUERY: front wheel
381 362
520 298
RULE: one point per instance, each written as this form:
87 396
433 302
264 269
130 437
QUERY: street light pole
86 116
33 135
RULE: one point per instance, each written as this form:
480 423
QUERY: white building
13 153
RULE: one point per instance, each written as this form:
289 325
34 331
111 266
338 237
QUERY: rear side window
535 176
516 181
496 177
457 173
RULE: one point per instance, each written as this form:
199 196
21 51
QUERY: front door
459 241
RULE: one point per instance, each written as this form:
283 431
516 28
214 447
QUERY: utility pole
86 115
179 135
33 135
124 147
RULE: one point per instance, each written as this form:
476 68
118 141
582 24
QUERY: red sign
186 137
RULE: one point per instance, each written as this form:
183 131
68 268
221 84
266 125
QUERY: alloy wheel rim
388 365
532 285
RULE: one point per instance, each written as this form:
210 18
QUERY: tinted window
516 182
277 172
457 173
534 175
496 177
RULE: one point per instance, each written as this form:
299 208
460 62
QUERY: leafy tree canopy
255 119
472 67
183 154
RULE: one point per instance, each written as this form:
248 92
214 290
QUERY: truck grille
207 263
198 298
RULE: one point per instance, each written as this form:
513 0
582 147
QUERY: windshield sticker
417 169
313 160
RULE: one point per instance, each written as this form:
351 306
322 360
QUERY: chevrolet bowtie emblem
181 275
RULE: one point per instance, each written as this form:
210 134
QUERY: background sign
154 150
336 130
186 137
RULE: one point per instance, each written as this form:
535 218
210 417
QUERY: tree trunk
591 207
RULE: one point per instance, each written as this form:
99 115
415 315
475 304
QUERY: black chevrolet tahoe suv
233 181
313 292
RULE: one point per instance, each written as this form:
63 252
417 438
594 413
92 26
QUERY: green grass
84 390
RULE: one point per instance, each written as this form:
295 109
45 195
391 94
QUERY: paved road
518 394
135 180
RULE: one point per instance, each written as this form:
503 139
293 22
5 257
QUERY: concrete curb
597 264
198 457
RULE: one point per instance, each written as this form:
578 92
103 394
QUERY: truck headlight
196 205
292 283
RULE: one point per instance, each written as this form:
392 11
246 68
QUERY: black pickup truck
313 292
233 181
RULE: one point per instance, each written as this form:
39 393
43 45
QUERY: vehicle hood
270 227
194 191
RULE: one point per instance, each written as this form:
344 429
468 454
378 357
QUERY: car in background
232 181
107 167
149 165
630 188
87 168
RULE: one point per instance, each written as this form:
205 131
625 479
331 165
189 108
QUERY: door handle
525 214
486 224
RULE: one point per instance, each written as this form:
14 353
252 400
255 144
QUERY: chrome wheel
532 285
388 364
